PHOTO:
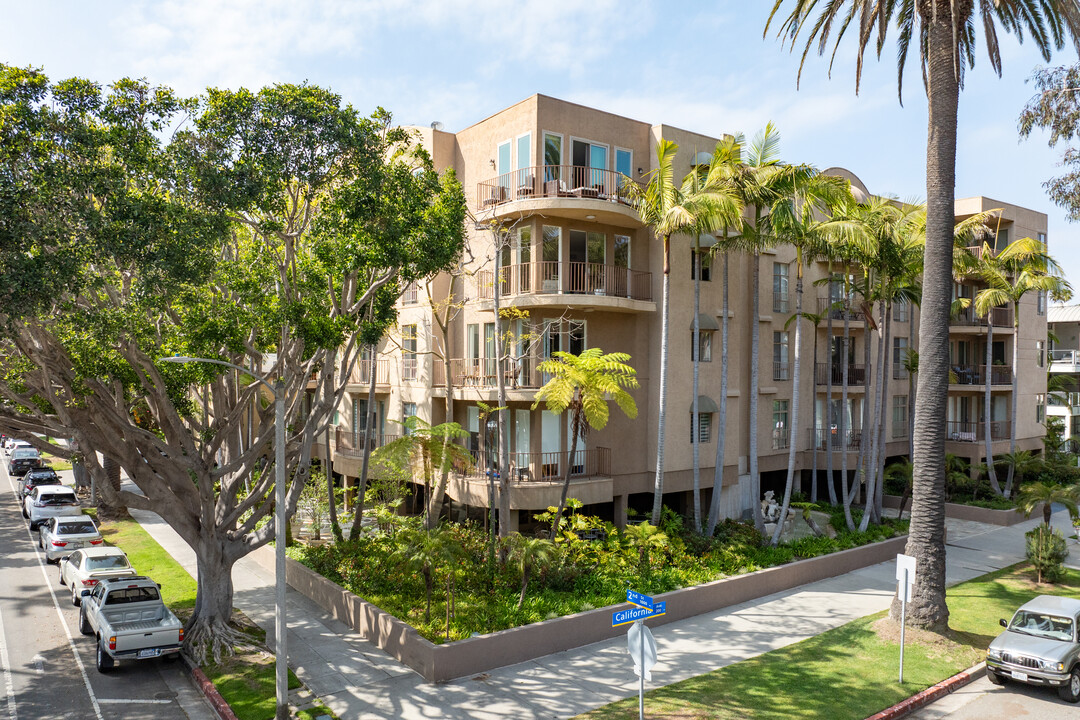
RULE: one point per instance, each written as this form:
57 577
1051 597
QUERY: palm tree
1022 464
583 384
645 537
424 551
529 554
669 209
1033 494
815 320
944 34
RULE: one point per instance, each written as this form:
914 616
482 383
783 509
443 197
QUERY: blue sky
700 66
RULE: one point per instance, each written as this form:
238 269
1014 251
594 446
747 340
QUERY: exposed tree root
215 639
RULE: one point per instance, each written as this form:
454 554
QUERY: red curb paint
930 694
210 692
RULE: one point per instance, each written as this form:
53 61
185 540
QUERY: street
48 666
981 700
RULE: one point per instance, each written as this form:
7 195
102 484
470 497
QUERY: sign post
638 635
905 576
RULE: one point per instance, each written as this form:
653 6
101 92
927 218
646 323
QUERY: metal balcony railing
835 308
780 438
361 373
518 373
1000 317
409 368
833 439
822 371
964 431
351 443
781 302
780 371
554 181
545 466
976 374
580 278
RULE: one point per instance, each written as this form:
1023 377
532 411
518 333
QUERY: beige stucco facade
582 271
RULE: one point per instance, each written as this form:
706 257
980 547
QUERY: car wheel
75 599
995 678
61 575
24 513
105 661
84 623
1070 691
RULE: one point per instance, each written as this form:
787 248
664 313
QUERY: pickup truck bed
130 621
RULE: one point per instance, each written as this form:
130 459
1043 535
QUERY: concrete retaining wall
966 512
439 663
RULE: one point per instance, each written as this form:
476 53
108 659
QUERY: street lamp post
281 679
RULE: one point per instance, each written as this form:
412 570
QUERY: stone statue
769 507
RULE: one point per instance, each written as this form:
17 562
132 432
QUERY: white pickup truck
129 620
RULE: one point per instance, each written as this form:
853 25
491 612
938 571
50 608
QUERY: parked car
61 536
49 501
130 621
11 443
83 569
23 459
1040 646
35 477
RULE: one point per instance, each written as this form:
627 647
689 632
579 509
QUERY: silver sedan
83 569
60 536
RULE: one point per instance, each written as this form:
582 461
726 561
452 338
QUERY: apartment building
1063 323
579 270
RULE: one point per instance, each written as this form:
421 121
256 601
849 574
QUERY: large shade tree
255 228
944 34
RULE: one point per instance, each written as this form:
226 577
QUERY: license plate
154 652
1022 677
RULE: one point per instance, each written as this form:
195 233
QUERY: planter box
966 512
439 663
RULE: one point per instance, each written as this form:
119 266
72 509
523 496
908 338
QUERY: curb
209 691
930 694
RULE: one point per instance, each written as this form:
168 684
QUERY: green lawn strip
850 671
246 681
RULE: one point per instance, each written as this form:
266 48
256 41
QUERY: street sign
635 598
629 615
643 650
905 573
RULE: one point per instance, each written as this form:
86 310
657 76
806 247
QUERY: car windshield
39 475
24 453
59 498
1039 624
76 528
112 562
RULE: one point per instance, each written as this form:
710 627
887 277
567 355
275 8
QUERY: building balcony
1065 361
824 371
834 307
569 283
570 190
1000 317
833 439
351 443
361 372
543 466
518 373
963 431
976 375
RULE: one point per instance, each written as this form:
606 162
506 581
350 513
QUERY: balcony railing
518 373
779 438
966 317
833 439
835 308
351 442
958 431
547 466
1065 360
411 294
899 430
976 374
781 302
551 278
554 181
361 373
822 371
780 371
409 368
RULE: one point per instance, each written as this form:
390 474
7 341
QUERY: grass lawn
246 680
851 671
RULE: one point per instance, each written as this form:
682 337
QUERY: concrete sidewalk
358 680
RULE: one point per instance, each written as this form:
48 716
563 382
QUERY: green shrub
1046 550
733 531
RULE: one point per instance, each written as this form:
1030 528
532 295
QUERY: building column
620 511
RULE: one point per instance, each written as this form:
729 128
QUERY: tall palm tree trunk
658 485
991 471
870 453
695 440
844 430
576 421
813 422
828 396
926 536
863 459
793 431
755 398
1015 391
879 472
721 425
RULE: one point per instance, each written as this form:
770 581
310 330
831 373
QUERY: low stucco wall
439 663
966 512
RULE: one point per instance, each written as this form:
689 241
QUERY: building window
1002 240
704 428
780 355
1040 408
1040 346
899 353
899 416
411 295
900 311
408 410
780 424
704 343
408 352
1040 300
1041 237
706 266
565 335
780 295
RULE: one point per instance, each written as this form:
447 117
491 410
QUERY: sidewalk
358 680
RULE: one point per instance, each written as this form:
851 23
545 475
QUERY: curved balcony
584 193
570 284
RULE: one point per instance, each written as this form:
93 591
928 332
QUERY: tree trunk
793 425
575 431
721 425
755 381
844 383
867 437
110 474
695 440
870 452
369 433
926 538
444 474
335 528
879 471
813 423
208 633
1013 409
658 485
524 585
828 395
991 471
502 442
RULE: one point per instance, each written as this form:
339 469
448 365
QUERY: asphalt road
981 700
47 668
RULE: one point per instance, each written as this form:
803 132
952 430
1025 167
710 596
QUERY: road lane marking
124 701
13 713
60 614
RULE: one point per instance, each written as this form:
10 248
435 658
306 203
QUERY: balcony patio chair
528 187
496 195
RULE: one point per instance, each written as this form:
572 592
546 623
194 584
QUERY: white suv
49 501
